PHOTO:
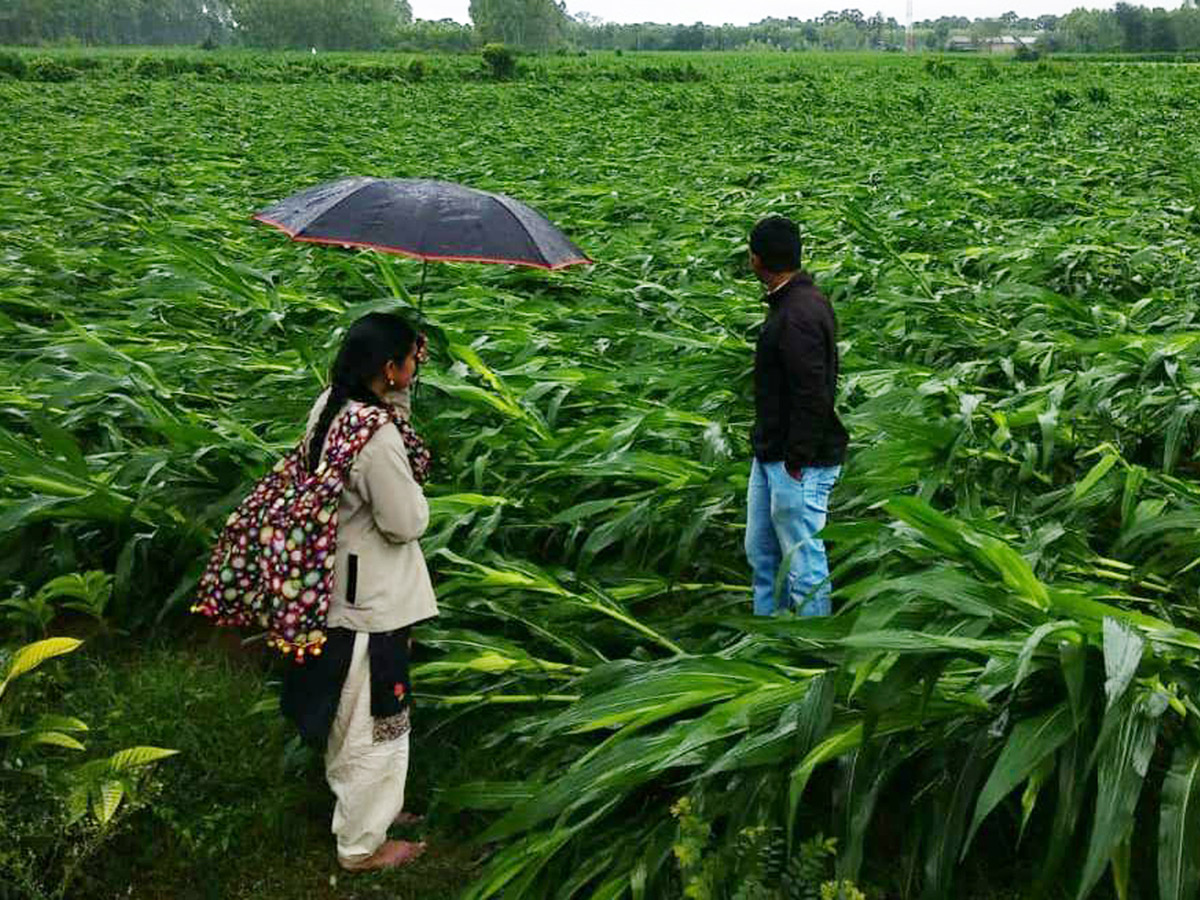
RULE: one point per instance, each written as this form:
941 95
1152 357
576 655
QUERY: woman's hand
400 399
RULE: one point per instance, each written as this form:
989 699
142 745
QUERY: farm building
1005 43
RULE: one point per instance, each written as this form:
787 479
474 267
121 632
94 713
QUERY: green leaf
33 655
77 802
1069 799
985 551
55 738
663 689
815 712
1043 631
1030 742
941 857
1072 659
106 800
62 442
837 744
60 723
489 794
1092 478
524 858
1121 867
867 771
266 705
133 757
1048 423
613 889
1135 476
1033 789
1123 649
621 768
1124 758
1179 826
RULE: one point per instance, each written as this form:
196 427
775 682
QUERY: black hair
368 345
776 241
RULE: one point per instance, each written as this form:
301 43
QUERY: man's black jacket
795 380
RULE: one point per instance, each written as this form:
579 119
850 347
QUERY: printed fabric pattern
391 728
273 563
419 457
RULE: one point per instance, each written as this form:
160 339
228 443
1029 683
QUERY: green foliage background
1013 250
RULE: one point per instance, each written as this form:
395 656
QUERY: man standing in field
799 442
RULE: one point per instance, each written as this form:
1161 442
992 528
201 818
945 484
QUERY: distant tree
982 29
875 26
529 24
1089 30
1160 31
324 24
688 37
542 24
112 21
1186 22
1132 20
442 35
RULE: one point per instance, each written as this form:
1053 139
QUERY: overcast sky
746 11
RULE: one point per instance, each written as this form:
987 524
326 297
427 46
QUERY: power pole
910 42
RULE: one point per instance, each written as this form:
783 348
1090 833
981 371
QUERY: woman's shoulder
384 448
386 434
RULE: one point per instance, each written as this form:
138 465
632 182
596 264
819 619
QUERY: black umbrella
424 219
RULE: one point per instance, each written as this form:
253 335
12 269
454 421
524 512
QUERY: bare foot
390 855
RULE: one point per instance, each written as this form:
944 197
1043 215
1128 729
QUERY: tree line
1126 28
325 24
546 24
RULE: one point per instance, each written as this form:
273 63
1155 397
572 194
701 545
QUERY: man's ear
756 264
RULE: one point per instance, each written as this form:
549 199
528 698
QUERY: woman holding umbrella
324 551
354 695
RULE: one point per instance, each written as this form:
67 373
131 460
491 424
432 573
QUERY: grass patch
244 810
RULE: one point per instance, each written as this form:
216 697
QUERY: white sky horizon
711 12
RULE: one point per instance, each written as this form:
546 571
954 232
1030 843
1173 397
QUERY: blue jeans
783 517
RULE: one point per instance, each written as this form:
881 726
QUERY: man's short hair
776 241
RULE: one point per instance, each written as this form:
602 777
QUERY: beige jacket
380 581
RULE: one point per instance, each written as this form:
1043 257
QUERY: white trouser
367 778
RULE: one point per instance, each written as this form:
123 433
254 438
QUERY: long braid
339 393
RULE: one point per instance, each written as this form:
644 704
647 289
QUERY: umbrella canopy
425 219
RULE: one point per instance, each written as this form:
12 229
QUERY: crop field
1005 701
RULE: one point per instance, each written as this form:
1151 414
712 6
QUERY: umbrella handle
421 314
